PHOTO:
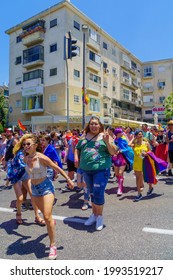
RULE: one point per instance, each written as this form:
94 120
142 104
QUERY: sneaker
138 197
23 207
85 206
65 189
91 220
52 253
99 223
30 206
170 172
150 192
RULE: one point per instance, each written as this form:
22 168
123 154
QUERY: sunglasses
28 144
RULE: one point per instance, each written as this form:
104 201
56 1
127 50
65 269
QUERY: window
148 112
94 57
105 46
53 48
18 39
148 71
126 61
33 75
161 99
94 36
114 52
76 73
18 60
114 71
18 103
18 81
148 98
126 94
94 105
161 85
52 98
134 65
105 65
53 71
33 54
76 25
113 87
76 98
53 22
95 78
161 69
105 84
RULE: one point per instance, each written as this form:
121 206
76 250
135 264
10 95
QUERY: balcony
106 98
36 63
107 112
93 86
33 36
93 65
148 104
148 89
93 44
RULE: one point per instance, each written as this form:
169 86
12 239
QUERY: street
140 230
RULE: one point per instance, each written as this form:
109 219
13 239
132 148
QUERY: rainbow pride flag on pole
21 126
85 97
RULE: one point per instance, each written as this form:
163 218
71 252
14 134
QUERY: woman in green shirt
93 155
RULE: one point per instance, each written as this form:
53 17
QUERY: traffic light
71 48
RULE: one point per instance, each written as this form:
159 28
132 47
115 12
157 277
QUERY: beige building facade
157 85
45 88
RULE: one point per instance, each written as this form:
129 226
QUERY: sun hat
170 122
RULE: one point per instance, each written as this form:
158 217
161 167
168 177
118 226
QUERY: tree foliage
2 113
168 104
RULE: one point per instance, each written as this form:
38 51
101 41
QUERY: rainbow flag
21 126
85 97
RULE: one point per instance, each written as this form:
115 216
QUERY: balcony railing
33 36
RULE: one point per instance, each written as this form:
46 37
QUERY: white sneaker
99 223
91 220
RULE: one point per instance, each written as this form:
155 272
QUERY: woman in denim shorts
94 154
42 187
19 178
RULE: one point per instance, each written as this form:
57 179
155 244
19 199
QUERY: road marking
158 230
58 218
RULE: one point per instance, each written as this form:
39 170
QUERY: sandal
19 220
40 221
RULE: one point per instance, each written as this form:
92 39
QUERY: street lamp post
84 30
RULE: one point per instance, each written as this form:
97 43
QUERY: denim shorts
96 181
44 188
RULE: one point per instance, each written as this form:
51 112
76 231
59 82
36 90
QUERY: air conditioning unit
107 71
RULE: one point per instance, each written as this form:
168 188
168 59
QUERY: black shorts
170 156
70 166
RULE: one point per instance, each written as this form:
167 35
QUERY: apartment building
157 85
41 76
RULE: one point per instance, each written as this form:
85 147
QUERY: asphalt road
133 230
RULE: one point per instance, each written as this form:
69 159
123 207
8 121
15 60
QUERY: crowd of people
33 161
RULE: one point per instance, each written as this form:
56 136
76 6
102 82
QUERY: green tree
3 113
168 104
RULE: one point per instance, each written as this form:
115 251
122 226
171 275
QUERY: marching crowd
33 161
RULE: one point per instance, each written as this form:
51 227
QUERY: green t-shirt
94 155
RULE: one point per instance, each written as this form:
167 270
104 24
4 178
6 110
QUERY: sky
142 27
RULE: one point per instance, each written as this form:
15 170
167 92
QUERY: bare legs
45 204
